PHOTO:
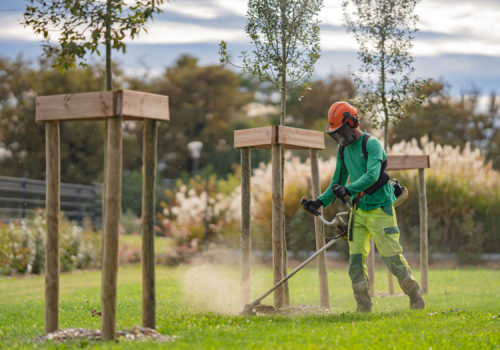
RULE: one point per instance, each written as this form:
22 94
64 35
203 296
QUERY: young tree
384 30
286 45
285 39
84 25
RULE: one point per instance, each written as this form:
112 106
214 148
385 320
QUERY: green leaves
285 39
384 30
82 25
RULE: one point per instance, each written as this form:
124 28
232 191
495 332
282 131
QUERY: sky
458 41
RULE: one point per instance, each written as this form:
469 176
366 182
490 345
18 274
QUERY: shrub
463 198
462 193
200 210
22 246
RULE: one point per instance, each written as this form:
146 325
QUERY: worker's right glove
311 206
340 191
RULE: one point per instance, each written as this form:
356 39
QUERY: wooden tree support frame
294 138
113 106
410 162
275 137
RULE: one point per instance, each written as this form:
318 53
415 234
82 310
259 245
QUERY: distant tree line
207 103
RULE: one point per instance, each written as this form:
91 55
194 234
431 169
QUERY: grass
134 241
462 313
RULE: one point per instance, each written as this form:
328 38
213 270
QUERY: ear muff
352 120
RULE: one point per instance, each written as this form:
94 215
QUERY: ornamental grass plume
462 191
467 166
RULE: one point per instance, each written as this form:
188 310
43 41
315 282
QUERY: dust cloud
212 288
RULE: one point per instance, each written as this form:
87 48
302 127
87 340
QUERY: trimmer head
248 310
252 310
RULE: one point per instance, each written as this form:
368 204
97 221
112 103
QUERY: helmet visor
343 135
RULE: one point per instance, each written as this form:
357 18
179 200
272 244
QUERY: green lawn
463 311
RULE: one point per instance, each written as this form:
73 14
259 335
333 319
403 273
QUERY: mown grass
462 313
135 242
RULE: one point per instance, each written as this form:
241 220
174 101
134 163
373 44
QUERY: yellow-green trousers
381 224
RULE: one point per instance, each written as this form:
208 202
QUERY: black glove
340 191
311 206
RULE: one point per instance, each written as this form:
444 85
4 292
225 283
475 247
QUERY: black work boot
411 288
362 295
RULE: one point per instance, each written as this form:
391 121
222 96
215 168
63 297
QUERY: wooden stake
320 233
277 224
245 225
286 289
111 226
149 157
390 281
424 261
53 179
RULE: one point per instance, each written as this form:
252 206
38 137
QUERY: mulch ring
75 334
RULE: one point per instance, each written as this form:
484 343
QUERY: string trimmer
255 306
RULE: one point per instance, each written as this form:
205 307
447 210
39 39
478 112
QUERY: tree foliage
285 39
204 104
448 121
384 30
22 139
83 25
308 105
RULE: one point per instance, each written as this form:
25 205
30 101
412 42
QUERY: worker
362 158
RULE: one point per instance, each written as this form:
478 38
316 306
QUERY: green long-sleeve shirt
362 174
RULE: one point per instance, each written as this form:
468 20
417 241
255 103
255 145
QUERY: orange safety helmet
342 119
341 113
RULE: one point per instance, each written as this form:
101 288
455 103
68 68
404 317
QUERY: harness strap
383 177
382 180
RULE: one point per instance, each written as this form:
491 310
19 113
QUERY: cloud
466 19
458 27
183 33
206 9
448 27
13 30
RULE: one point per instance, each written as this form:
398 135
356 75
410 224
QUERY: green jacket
362 174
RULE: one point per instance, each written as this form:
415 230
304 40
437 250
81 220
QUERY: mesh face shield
343 135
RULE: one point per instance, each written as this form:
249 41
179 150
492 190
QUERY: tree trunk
277 224
109 87
286 289
109 9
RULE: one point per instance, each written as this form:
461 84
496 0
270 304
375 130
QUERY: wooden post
245 225
53 180
149 158
390 281
277 224
370 265
424 261
286 289
111 226
320 233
